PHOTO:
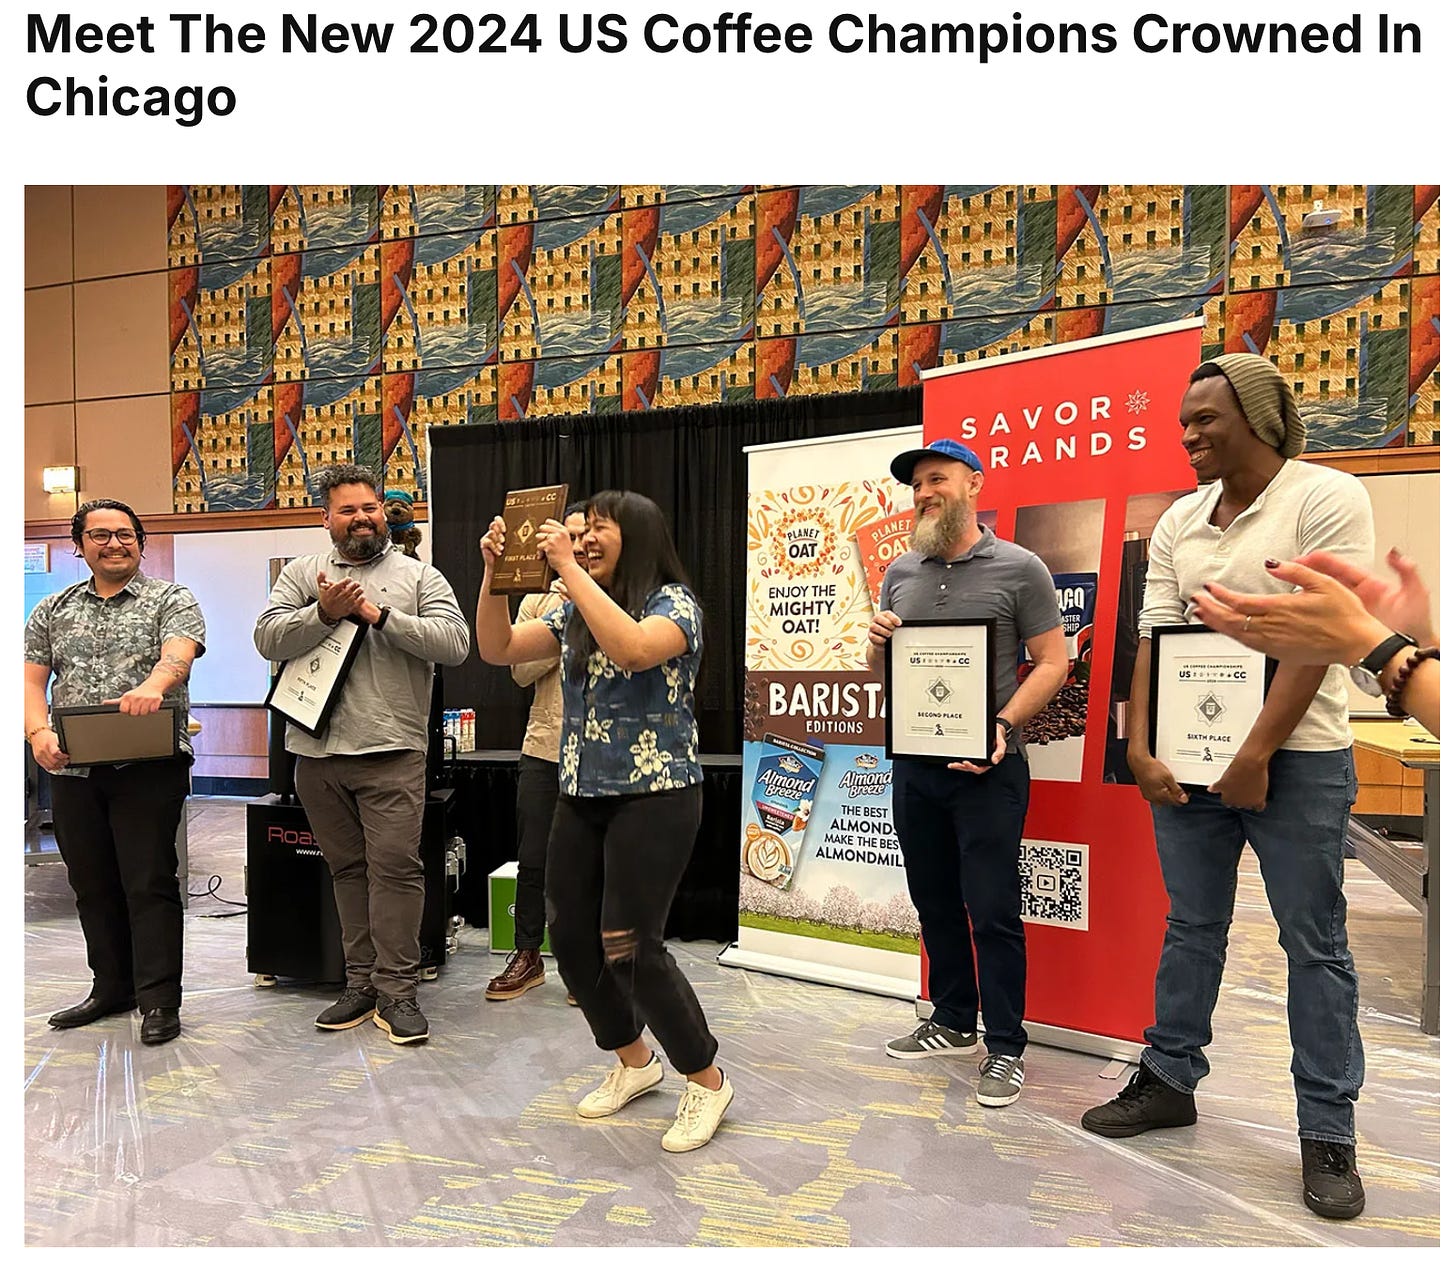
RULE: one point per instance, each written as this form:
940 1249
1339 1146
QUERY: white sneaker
622 1084
698 1116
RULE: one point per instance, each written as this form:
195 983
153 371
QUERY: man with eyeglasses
120 637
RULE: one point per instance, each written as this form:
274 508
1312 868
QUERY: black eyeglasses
100 535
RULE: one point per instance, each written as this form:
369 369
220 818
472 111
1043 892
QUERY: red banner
1081 447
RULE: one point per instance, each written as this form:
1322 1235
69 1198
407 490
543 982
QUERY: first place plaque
940 691
1205 692
521 568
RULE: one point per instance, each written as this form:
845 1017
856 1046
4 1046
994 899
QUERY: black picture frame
69 720
1160 633
904 750
351 652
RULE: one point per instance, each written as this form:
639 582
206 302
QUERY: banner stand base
1128 1051
818 972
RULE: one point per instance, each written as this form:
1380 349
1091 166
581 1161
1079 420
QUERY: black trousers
117 832
611 871
537 784
960 834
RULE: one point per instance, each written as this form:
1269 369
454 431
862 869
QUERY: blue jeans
1299 839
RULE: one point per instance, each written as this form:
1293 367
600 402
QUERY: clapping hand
338 599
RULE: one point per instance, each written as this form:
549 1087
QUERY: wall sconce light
59 479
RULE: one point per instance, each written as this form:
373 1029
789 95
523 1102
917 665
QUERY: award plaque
1205 691
940 690
521 568
307 687
103 735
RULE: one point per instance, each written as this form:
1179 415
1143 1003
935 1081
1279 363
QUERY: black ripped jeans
612 868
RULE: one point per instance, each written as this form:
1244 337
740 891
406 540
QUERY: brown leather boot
524 970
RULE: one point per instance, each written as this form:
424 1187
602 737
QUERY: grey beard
935 537
360 548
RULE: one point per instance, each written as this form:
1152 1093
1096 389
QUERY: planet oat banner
1082 453
822 884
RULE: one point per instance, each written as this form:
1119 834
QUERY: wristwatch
1365 675
383 615
1005 724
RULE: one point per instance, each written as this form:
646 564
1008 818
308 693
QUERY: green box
502 887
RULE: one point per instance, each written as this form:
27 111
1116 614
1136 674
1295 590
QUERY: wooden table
1414 872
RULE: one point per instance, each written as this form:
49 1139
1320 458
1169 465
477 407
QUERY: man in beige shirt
536 789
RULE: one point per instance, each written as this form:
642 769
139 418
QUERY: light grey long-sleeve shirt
385 702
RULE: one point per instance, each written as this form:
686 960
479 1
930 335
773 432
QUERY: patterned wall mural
317 323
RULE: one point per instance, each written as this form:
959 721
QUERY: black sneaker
1145 1102
403 1021
1332 1185
353 1007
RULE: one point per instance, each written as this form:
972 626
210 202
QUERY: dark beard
362 548
935 537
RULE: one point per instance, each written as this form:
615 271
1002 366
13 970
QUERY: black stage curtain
689 460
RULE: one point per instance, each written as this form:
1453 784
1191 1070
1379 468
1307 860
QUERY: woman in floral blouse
630 638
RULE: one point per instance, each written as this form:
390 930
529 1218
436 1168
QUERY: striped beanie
1267 400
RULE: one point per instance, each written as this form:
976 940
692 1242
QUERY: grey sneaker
1001 1078
403 1021
354 1006
931 1040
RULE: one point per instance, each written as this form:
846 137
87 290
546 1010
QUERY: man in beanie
1287 791
959 824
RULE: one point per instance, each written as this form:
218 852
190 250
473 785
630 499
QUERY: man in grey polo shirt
960 824
1288 790
363 782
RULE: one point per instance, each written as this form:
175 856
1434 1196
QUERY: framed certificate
521 568
940 690
103 735
307 687
1205 692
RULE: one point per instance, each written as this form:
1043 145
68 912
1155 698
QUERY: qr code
1054 884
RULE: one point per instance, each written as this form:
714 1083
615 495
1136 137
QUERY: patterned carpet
255 1129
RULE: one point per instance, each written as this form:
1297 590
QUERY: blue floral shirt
628 732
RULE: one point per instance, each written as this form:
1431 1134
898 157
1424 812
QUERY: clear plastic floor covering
254 1128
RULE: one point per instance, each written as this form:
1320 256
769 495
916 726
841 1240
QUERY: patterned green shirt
99 647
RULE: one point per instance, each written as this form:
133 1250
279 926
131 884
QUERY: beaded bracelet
1402 678
39 728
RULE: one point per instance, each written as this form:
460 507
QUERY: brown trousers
365 811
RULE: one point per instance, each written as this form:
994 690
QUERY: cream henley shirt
543 727
1305 507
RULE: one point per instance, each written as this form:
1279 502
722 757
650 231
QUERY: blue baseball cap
903 466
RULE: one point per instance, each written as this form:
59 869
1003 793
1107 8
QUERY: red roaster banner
1082 453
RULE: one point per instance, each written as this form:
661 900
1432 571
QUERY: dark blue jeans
1299 839
960 834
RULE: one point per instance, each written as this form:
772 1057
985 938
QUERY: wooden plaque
521 568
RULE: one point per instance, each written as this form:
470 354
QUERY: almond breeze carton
783 796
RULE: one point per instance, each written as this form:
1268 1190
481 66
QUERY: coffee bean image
1063 717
